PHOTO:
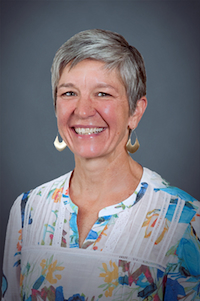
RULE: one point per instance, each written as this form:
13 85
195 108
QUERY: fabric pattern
145 248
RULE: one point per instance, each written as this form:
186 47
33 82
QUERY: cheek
62 112
61 121
108 112
115 114
61 108
60 117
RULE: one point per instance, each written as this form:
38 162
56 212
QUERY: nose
84 107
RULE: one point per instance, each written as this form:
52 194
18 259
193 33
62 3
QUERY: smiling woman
110 229
93 112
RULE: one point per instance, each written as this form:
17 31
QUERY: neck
102 179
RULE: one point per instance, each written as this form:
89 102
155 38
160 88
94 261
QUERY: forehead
91 67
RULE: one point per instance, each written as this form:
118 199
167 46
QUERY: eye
69 93
103 94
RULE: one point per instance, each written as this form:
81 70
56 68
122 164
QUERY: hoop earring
132 148
60 146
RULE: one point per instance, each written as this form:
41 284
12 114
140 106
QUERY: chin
88 153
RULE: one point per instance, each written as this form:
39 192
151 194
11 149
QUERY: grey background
167 35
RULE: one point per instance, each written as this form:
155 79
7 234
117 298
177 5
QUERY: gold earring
132 148
60 146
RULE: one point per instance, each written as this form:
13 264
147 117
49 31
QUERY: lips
88 131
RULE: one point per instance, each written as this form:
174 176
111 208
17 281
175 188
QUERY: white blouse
145 248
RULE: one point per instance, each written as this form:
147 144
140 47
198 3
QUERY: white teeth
88 131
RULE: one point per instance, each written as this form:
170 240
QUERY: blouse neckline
109 210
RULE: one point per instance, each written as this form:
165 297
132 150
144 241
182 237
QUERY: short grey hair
110 48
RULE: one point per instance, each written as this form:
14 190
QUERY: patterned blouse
145 248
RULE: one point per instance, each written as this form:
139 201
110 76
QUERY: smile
88 131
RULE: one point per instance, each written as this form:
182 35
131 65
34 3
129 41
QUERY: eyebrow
100 85
67 85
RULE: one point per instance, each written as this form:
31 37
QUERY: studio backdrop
167 35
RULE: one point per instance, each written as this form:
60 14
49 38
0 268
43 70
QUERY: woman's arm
183 279
12 254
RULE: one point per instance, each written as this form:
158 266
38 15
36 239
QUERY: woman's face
92 110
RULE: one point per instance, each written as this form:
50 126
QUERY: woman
110 229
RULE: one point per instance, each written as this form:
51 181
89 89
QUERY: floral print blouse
145 248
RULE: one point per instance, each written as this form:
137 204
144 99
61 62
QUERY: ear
134 119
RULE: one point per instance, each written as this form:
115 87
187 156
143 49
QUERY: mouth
88 131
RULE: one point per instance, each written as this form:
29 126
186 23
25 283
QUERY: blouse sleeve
12 254
184 272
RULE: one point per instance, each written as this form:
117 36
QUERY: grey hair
110 48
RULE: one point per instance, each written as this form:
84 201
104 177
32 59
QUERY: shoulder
56 183
179 200
159 184
41 191
181 227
